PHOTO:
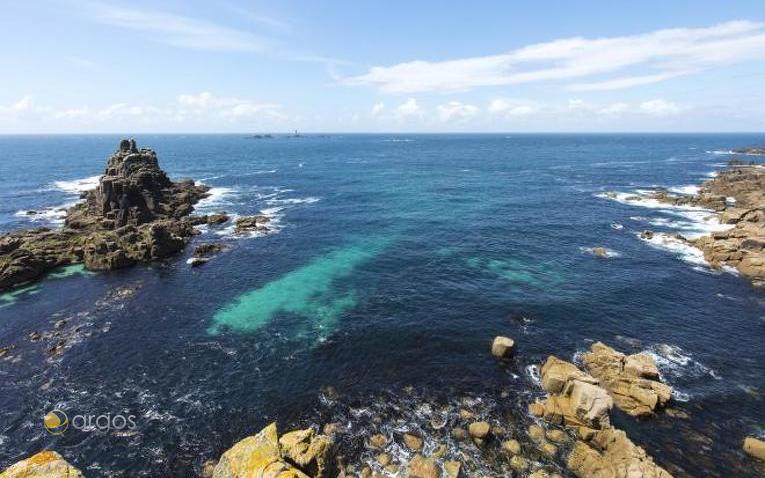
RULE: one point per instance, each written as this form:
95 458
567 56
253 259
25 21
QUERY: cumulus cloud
23 109
503 106
455 110
378 108
659 107
409 108
649 58
226 107
187 109
614 108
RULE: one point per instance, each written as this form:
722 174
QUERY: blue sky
415 66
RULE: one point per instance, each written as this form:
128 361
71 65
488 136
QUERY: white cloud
230 108
178 30
455 110
408 108
659 107
626 82
614 108
73 114
24 104
378 108
663 54
23 109
188 109
502 106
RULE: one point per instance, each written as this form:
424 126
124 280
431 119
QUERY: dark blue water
393 262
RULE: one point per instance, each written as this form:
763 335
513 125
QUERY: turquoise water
309 291
393 262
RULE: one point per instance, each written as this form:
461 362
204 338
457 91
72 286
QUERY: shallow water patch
537 274
63 272
308 292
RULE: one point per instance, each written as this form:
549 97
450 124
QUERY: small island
135 215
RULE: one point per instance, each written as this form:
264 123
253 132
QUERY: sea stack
136 214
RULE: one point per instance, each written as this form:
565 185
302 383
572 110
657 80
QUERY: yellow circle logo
56 422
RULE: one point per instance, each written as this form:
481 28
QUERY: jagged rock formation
576 400
136 214
609 453
46 464
631 380
738 195
265 454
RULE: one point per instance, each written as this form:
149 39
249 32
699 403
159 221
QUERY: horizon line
316 133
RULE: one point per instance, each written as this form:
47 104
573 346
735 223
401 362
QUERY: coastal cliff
136 214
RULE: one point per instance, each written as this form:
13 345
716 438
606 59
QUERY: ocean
392 263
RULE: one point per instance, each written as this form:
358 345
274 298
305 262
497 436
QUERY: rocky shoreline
570 434
737 196
135 215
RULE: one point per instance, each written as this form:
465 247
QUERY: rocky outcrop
631 380
136 214
207 249
738 196
609 453
575 399
297 454
250 224
307 450
753 151
46 464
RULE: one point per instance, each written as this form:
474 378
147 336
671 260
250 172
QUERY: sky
235 66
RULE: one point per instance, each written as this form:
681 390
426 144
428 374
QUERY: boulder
513 447
197 261
479 430
557 373
46 464
502 347
632 381
600 251
207 249
421 467
755 447
452 469
609 453
218 218
307 450
378 441
575 398
248 224
413 442
257 455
